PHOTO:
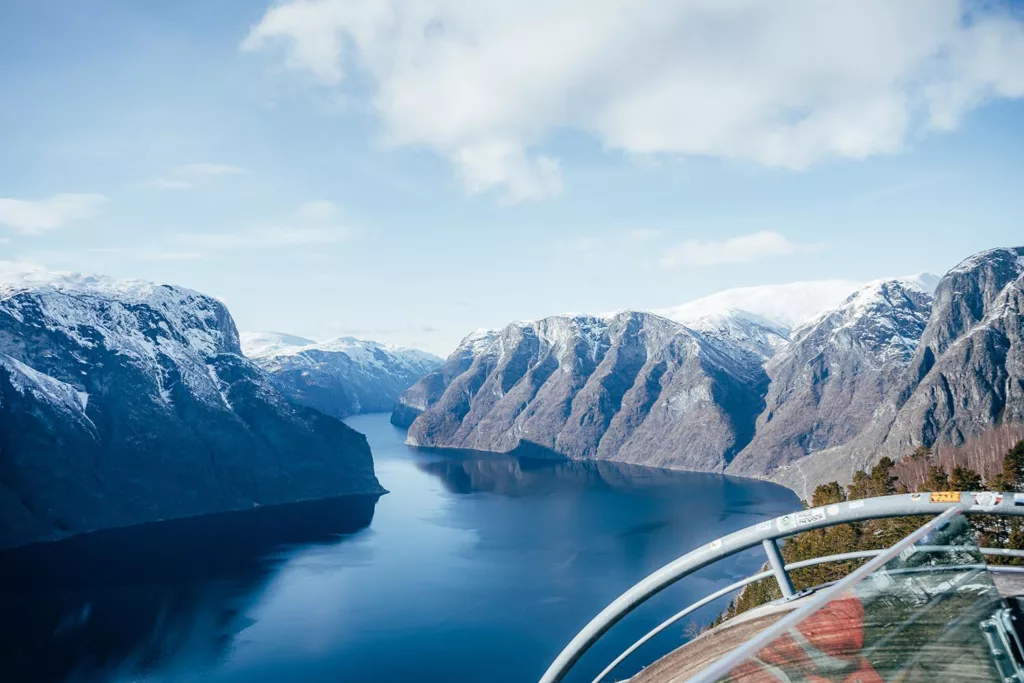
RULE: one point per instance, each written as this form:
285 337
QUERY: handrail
767 532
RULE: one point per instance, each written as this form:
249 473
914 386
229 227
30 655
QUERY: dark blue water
473 568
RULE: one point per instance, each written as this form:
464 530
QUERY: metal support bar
771 549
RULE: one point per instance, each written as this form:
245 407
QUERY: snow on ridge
270 345
16 277
785 305
60 394
262 344
972 262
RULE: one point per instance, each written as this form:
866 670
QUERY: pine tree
922 452
937 480
965 479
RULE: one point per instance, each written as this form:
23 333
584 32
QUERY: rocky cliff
633 387
126 402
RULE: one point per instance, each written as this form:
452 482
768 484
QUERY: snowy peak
884 319
783 306
141 320
338 377
262 344
265 346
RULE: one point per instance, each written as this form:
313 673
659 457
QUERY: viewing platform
932 606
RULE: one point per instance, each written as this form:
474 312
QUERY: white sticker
763 526
811 516
786 522
833 510
986 500
854 504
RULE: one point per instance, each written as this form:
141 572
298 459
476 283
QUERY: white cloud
580 245
36 216
786 83
756 246
642 235
194 175
280 237
319 210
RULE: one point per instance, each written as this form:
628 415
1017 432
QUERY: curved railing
767 534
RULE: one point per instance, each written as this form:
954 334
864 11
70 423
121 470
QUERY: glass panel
932 613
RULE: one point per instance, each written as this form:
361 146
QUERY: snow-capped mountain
339 377
966 373
801 383
123 402
828 381
635 387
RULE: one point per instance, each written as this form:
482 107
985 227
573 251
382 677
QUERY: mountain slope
126 402
966 374
634 388
340 377
827 382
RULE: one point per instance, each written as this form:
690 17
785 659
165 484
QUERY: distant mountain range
340 377
126 402
799 383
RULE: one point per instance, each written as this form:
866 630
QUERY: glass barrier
931 613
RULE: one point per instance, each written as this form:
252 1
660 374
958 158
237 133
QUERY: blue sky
409 172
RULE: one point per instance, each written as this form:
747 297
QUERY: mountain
340 377
126 402
742 381
826 383
633 387
966 374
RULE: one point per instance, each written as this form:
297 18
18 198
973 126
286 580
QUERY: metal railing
767 534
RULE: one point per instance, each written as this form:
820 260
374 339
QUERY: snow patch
60 394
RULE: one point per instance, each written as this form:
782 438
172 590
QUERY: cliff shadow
122 602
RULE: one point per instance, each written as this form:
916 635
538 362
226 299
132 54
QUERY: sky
411 170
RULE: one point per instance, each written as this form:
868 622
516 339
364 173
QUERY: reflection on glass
923 617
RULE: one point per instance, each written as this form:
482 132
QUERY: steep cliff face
826 384
633 388
126 402
966 374
340 377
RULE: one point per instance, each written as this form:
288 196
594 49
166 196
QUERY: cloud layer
785 83
756 246
36 216
194 175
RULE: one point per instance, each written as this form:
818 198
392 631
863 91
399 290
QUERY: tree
922 452
965 479
937 480
1013 468
828 494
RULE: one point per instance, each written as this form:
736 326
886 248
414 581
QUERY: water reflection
128 601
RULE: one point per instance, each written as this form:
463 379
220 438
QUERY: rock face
827 382
634 388
340 377
966 374
127 402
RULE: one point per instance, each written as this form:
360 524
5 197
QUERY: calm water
473 568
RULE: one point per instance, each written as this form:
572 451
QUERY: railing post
779 568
